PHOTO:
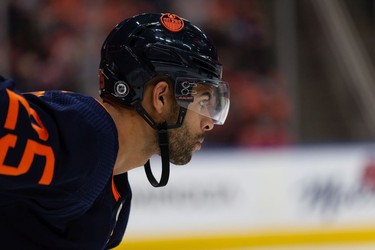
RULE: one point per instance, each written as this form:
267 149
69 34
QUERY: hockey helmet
146 46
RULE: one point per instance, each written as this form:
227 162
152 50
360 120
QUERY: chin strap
164 152
162 130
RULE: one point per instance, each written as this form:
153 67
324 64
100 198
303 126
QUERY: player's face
189 137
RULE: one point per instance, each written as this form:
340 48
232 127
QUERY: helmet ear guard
114 88
113 77
142 48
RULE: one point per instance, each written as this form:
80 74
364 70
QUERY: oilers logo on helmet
172 22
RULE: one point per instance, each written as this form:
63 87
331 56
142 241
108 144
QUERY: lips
198 146
200 138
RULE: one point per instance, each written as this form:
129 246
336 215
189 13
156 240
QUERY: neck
136 139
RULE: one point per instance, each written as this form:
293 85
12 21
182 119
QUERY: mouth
198 145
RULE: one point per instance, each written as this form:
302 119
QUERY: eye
204 103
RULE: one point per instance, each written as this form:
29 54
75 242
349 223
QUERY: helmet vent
164 55
207 67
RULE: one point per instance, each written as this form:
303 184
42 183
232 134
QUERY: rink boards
259 199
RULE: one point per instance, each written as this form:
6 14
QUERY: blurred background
301 71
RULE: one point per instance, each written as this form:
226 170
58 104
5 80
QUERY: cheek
192 121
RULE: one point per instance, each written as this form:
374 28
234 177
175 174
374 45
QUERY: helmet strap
164 152
162 130
142 112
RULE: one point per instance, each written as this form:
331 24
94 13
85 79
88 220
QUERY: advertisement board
253 198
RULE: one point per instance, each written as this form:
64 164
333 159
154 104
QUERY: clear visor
209 98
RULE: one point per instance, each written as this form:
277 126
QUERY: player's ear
160 96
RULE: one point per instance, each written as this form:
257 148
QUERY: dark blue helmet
146 46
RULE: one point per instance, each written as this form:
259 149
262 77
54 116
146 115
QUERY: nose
207 123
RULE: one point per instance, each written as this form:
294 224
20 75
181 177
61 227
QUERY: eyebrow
207 93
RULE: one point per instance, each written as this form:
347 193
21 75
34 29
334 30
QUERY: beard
180 140
182 144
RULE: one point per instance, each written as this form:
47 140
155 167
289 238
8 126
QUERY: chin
181 160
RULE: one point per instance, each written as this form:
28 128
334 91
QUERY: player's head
146 47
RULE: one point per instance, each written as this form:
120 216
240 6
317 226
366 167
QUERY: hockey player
64 156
